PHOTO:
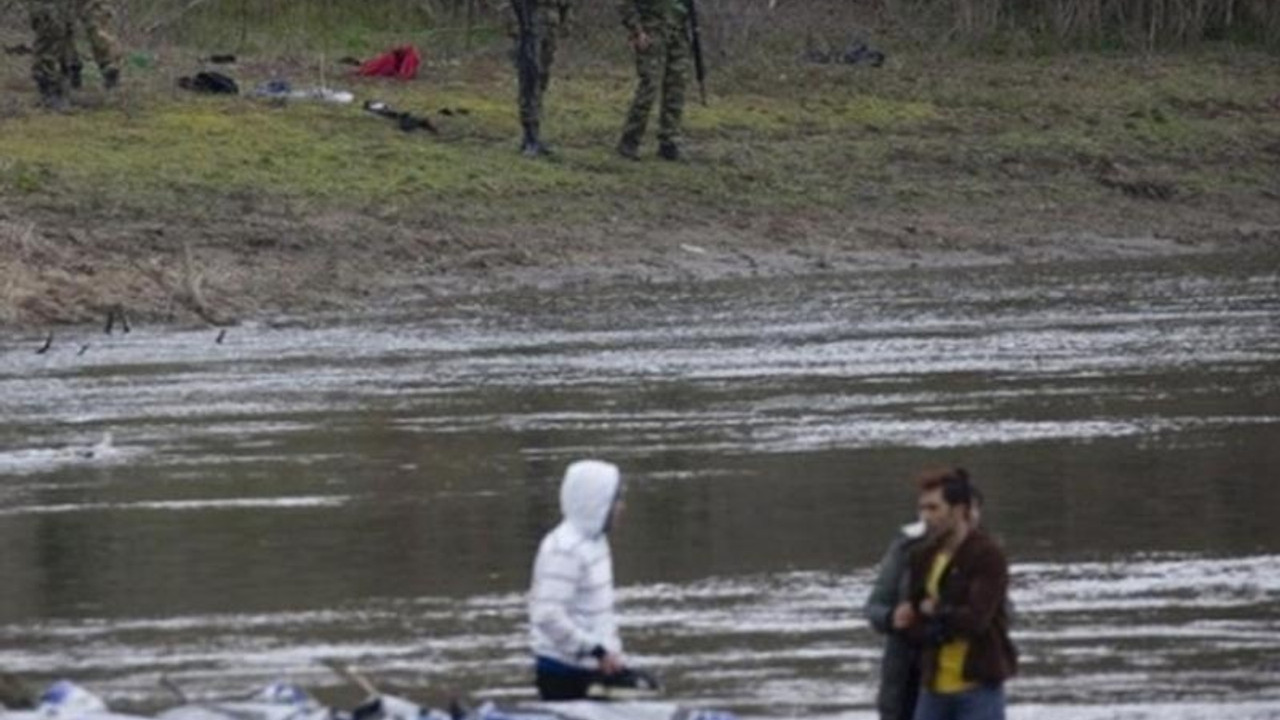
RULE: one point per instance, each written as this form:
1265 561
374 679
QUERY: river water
373 488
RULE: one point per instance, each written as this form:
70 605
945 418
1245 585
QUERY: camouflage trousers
663 66
54 22
546 28
48 21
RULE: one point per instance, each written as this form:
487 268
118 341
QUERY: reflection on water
1124 632
375 489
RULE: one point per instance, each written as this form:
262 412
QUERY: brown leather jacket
973 605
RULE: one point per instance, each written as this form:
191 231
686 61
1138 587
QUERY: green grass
925 132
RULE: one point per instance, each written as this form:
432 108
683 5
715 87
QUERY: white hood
587 494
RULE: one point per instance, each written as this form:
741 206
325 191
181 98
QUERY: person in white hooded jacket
574 632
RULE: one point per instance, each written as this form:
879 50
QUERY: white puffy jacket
571 600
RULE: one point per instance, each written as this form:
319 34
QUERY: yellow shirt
949 677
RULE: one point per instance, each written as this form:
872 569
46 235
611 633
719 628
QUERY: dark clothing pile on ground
855 53
209 82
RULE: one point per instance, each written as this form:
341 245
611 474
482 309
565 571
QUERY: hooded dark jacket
899 668
973 605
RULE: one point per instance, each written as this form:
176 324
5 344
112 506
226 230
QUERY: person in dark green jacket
900 665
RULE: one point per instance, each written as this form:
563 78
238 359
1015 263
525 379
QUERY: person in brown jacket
957 607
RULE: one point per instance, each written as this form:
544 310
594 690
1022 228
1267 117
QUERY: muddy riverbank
195 210
61 268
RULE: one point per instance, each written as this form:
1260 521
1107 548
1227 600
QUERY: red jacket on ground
401 62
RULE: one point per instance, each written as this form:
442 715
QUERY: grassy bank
925 132
932 149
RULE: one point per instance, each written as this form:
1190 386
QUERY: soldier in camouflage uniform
95 17
48 18
549 19
55 64
659 35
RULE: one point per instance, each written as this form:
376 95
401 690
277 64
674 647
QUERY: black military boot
668 150
53 96
629 148
111 78
531 146
74 73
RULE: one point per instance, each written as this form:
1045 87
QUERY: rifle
407 122
526 49
695 43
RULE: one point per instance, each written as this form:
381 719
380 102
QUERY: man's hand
640 40
611 664
903 616
929 607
